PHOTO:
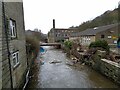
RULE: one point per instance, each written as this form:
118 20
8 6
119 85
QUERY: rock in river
55 61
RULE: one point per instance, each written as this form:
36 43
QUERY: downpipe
7 42
26 79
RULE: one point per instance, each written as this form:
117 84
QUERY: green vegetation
68 44
100 44
32 46
32 41
33 38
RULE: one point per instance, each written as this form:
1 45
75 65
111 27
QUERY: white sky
40 13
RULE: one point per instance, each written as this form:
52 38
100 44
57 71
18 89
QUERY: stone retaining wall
110 69
106 67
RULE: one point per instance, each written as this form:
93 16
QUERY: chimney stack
53 23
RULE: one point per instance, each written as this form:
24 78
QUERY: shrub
32 45
68 44
100 44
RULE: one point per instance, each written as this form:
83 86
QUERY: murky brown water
61 75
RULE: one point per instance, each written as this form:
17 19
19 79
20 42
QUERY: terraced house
13 63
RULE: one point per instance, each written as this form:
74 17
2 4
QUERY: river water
62 75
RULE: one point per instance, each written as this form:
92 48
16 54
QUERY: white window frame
109 36
13 28
15 56
115 41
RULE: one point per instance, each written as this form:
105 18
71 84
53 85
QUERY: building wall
5 63
113 33
87 39
62 34
0 45
51 36
56 35
14 10
75 39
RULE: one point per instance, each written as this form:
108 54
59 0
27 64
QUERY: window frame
109 36
114 41
15 55
13 33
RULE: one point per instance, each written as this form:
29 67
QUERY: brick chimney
53 23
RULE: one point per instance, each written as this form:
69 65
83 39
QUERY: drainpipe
6 34
28 68
118 27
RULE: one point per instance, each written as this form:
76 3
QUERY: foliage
100 44
32 44
37 35
68 44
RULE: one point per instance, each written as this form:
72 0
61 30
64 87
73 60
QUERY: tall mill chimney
53 23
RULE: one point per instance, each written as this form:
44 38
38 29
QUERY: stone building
57 34
108 33
60 34
13 62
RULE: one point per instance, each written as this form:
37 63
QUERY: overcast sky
40 13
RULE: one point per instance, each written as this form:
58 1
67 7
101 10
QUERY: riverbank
109 69
33 73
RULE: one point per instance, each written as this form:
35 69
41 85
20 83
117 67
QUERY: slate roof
66 29
94 31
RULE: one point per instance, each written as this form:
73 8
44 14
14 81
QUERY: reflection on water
61 75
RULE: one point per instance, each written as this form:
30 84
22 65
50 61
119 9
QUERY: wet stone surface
63 74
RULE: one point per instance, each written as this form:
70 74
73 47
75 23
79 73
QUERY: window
118 43
56 35
115 41
13 28
102 36
15 58
109 37
89 39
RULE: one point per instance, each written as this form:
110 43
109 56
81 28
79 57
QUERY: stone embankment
96 60
106 67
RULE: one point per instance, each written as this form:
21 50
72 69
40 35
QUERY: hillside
109 17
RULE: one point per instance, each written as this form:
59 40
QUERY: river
62 75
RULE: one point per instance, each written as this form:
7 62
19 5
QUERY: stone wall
14 10
5 63
111 70
106 67
0 45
